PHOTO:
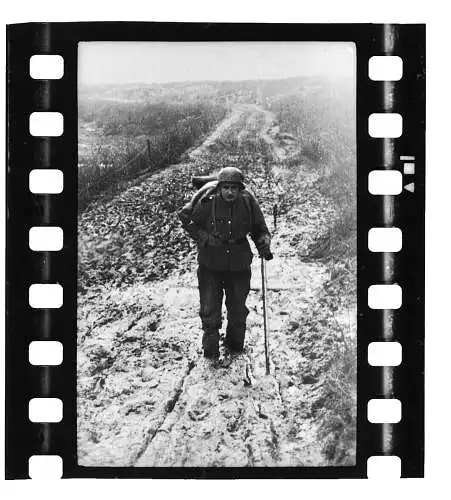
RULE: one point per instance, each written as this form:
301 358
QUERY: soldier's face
229 191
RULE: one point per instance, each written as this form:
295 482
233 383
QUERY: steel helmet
231 174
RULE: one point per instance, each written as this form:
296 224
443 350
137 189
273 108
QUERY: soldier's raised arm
193 216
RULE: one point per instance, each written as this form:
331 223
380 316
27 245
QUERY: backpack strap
213 213
247 195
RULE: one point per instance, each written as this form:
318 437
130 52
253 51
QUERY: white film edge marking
409 168
45 467
385 68
384 467
385 239
45 410
45 238
385 296
385 182
384 411
48 181
385 125
46 67
45 353
384 353
45 295
46 124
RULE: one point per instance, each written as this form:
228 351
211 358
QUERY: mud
146 395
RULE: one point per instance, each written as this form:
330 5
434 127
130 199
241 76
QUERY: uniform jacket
231 222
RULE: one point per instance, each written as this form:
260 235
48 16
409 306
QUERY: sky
160 62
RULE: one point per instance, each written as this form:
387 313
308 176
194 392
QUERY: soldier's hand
202 237
263 247
266 253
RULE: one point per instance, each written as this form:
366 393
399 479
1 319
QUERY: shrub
337 429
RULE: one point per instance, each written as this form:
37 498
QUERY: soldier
219 222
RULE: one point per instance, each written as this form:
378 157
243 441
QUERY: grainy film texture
151 117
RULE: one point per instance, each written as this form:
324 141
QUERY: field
119 141
146 396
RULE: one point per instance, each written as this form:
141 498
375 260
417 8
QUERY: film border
24 209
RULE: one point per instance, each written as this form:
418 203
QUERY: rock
198 414
153 325
131 337
293 325
309 379
148 374
262 412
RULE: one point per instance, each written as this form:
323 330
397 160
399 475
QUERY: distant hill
188 92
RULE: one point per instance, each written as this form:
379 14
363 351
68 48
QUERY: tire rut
170 405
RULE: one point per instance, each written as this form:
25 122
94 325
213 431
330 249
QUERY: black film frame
25 209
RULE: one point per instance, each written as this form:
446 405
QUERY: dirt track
147 397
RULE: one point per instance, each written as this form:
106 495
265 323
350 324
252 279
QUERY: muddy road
146 395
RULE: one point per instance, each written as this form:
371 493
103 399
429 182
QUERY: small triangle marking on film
410 187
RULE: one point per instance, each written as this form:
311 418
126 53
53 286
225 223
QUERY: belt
239 241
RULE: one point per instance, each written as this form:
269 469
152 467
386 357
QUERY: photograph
217 254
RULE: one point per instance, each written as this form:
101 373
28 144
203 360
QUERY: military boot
234 339
210 343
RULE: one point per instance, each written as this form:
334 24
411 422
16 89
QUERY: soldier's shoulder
249 196
208 198
206 192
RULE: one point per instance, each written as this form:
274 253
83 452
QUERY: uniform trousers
212 287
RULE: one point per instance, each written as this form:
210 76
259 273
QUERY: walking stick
265 319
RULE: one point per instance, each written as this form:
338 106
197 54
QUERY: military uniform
220 229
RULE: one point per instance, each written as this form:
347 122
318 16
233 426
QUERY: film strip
390 283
